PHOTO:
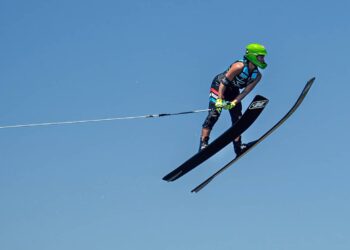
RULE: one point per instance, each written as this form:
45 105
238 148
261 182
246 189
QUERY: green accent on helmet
254 50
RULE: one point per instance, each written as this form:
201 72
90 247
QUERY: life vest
244 78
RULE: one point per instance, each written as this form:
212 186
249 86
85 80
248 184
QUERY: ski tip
260 97
308 85
312 79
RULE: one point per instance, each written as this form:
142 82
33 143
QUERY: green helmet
254 50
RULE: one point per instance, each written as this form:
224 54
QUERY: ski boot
203 143
239 147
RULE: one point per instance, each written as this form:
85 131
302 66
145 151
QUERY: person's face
261 58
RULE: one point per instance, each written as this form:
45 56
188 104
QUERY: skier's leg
213 114
209 122
236 114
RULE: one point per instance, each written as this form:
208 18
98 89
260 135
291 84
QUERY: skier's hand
219 104
230 105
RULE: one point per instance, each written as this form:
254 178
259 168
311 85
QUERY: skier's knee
211 119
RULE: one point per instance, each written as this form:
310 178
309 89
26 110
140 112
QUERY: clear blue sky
98 186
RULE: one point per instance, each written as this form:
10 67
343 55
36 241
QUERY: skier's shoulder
237 65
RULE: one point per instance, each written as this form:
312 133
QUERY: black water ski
254 143
249 116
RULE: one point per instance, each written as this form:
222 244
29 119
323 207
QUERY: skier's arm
235 70
222 89
247 89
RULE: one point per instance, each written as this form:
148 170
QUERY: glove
230 105
219 104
